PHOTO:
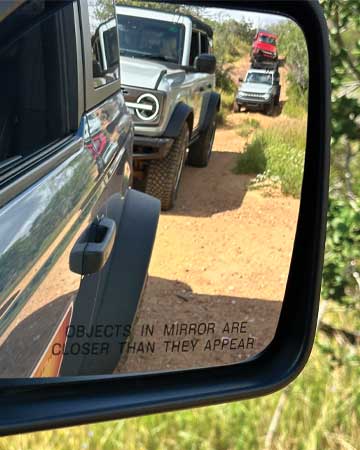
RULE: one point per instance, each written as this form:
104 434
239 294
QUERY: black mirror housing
205 63
38 404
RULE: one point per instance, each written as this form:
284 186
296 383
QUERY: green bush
253 159
245 131
247 127
342 254
227 102
278 152
296 105
252 122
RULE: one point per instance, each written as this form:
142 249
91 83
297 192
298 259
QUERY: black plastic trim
178 118
38 404
161 76
160 147
211 107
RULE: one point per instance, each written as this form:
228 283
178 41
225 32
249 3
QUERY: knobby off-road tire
269 109
277 99
200 151
163 176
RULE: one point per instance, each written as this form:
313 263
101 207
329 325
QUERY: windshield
148 38
268 40
263 78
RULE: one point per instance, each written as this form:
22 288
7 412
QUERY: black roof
197 23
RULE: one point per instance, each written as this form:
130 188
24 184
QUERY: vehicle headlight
267 96
147 107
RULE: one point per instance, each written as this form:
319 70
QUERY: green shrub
342 252
245 131
227 102
252 160
224 82
296 105
252 122
247 127
278 152
294 110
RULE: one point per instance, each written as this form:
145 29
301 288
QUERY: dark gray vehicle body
53 194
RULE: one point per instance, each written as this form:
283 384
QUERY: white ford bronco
260 90
168 81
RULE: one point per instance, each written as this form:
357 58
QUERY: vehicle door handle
201 89
93 247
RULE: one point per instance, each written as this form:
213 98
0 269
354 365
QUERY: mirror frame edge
33 405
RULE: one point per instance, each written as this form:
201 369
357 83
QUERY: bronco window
268 40
204 43
149 38
194 49
38 83
263 78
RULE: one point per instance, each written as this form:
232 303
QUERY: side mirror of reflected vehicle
205 63
97 72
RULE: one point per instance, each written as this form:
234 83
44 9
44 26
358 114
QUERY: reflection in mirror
228 174
222 253
104 43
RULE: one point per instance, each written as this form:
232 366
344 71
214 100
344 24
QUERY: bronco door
201 83
65 150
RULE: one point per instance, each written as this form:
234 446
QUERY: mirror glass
223 247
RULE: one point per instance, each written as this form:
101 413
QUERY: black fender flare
119 285
211 105
182 113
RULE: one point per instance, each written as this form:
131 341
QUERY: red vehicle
264 48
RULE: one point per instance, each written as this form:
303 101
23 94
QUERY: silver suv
260 90
168 81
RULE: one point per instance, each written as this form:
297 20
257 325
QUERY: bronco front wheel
163 176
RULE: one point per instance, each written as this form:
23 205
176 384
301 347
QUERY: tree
341 280
292 45
104 7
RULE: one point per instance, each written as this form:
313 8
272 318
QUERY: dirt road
220 259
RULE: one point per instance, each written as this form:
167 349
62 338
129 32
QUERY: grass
322 411
277 152
247 127
227 102
296 105
294 109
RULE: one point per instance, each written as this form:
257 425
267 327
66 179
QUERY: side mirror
97 72
227 310
205 63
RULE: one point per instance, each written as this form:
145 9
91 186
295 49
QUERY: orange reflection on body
50 363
